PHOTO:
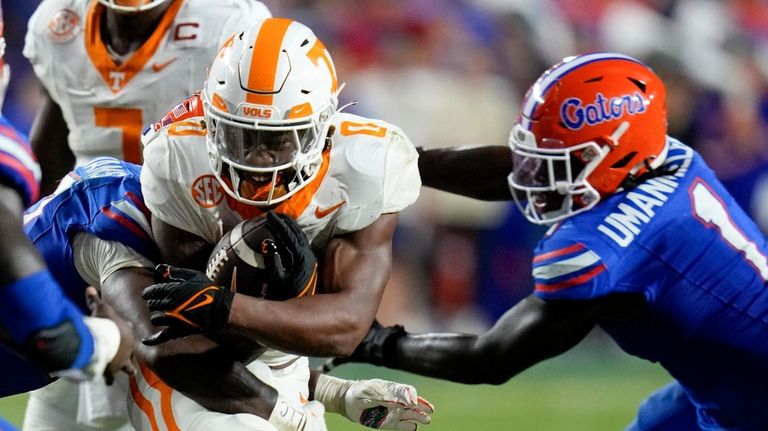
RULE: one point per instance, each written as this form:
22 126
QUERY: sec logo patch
64 26
207 191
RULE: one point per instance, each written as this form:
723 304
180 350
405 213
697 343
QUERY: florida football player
270 137
645 243
111 66
42 331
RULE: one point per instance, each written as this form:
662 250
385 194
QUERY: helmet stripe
568 65
261 76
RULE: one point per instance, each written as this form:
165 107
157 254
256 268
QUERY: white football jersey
106 104
370 170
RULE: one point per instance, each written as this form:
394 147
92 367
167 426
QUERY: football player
111 66
41 331
645 242
94 231
270 137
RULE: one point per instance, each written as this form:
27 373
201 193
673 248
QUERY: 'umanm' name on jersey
638 206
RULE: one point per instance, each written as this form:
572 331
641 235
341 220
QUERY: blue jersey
18 167
102 198
700 262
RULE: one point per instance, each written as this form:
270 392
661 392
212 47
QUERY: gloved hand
287 417
187 302
297 277
379 347
375 403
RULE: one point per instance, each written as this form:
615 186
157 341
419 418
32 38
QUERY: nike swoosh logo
322 212
157 67
207 299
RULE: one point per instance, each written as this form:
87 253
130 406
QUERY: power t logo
576 113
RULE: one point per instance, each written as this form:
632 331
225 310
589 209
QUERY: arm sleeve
96 259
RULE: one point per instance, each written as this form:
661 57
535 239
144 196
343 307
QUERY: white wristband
330 391
286 417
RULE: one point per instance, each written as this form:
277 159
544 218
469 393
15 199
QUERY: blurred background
452 72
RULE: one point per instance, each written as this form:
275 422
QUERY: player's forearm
315 326
476 172
454 357
206 373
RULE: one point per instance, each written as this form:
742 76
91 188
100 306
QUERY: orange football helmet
589 126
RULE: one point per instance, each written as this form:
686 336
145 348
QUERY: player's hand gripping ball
266 257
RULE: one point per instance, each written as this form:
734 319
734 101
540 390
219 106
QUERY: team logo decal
575 113
207 191
64 26
257 111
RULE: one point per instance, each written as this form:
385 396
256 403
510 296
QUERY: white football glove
288 417
374 403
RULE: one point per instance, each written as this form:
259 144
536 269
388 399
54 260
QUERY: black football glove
187 302
292 279
379 347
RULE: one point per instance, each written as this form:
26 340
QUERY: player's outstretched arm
531 331
48 138
475 172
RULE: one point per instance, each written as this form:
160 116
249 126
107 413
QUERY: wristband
330 391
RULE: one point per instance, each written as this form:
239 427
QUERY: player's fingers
158 291
128 369
286 229
157 338
92 298
272 259
164 273
426 406
159 318
413 415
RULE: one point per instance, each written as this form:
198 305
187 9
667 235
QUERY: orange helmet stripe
266 55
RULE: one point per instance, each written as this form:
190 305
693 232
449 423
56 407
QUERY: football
237 262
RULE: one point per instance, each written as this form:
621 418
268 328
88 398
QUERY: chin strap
633 180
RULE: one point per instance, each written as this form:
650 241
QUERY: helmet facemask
549 182
268 101
263 163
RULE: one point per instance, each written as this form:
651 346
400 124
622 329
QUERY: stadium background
452 72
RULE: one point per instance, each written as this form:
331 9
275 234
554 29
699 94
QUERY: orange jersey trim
295 205
117 76
166 393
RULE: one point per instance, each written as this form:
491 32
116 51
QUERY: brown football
237 263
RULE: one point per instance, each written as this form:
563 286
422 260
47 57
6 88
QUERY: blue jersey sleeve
568 270
18 167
